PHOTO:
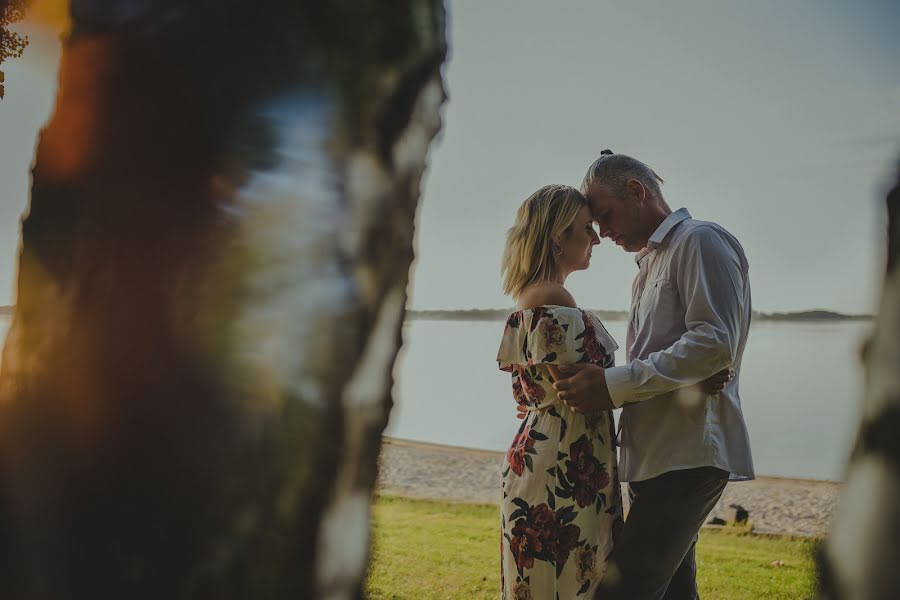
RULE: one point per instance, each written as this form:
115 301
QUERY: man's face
618 219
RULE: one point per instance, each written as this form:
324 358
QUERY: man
689 318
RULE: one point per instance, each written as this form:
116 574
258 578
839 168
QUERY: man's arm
583 387
711 280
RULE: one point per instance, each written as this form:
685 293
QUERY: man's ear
637 190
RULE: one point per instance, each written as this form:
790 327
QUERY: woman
561 503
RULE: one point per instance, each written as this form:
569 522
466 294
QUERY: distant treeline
810 315
499 314
493 314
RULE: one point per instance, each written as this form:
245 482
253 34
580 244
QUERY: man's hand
583 388
717 382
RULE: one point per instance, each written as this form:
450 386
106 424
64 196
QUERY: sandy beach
431 471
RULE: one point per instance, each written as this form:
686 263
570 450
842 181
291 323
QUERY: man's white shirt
689 318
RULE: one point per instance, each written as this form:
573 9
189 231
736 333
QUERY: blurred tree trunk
860 560
211 286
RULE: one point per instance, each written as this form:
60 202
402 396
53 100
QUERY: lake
801 386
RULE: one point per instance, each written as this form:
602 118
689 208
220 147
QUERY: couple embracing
681 434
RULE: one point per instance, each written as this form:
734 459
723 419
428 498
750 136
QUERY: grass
426 550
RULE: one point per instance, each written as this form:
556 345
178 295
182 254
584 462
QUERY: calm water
800 389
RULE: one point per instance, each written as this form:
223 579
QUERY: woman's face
577 242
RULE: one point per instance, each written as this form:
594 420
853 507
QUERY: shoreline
387 439
423 470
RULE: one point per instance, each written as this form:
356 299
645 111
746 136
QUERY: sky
779 121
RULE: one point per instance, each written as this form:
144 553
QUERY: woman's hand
717 382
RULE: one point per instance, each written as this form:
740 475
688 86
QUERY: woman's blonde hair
528 256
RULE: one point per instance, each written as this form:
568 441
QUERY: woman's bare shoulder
544 294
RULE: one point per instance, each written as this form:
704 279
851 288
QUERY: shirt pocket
659 303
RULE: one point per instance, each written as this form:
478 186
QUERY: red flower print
602 478
593 349
522 591
524 545
554 335
566 541
533 390
584 471
513 320
531 535
516 455
544 535
591 345
543 519
534 536
518 392
585 560
536 315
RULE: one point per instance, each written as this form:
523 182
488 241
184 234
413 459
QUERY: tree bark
860 560
211 287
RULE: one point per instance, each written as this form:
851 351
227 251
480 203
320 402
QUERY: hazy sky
778 120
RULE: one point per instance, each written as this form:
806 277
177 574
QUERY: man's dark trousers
653 557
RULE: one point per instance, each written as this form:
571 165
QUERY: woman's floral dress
561 498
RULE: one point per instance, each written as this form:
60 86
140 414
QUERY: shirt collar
662 231
640 255
666 226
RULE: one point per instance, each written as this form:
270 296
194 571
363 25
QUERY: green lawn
438 550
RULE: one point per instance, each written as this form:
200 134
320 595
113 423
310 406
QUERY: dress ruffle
554 335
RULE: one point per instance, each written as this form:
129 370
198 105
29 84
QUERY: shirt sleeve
711 277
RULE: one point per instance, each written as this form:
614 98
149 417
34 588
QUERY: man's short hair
615 170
